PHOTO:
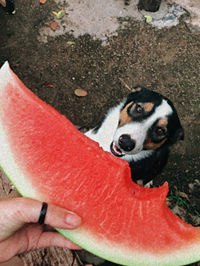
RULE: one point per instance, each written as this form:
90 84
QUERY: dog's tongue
115 150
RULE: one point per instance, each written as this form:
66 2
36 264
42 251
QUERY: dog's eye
139 108
160 131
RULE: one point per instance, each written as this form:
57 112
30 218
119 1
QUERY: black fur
148 168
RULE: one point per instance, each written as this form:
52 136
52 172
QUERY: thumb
16 212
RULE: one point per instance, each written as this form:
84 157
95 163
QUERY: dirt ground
165 60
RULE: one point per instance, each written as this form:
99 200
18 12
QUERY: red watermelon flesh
47 158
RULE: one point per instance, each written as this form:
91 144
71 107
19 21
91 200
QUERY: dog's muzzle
125 144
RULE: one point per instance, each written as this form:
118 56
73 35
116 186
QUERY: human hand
20 230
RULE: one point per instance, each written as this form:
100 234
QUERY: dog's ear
178 135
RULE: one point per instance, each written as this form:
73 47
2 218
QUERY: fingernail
73 220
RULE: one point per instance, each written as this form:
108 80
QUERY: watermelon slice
48 159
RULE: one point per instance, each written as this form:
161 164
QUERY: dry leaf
48 84
80 92
176 190
3 3
184 195
53 25
43 1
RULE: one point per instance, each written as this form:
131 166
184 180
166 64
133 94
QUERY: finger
31 237
55 216
49 239
61 218
25 210
29 211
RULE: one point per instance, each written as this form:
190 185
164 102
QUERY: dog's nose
126 142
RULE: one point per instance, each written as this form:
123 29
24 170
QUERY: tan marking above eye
148 107
162 122
149 145
124 118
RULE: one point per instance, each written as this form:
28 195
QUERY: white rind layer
11 169
108 250
117 253
7 160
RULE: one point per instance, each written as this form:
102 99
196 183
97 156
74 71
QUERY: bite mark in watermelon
48 159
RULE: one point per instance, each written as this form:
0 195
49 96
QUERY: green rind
108 250
122 256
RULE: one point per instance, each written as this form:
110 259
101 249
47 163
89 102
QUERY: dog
140 130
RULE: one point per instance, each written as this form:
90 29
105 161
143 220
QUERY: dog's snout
126 142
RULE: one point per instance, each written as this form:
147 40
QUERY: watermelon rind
115 253
7 162
104 248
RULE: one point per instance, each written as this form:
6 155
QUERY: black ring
43 213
